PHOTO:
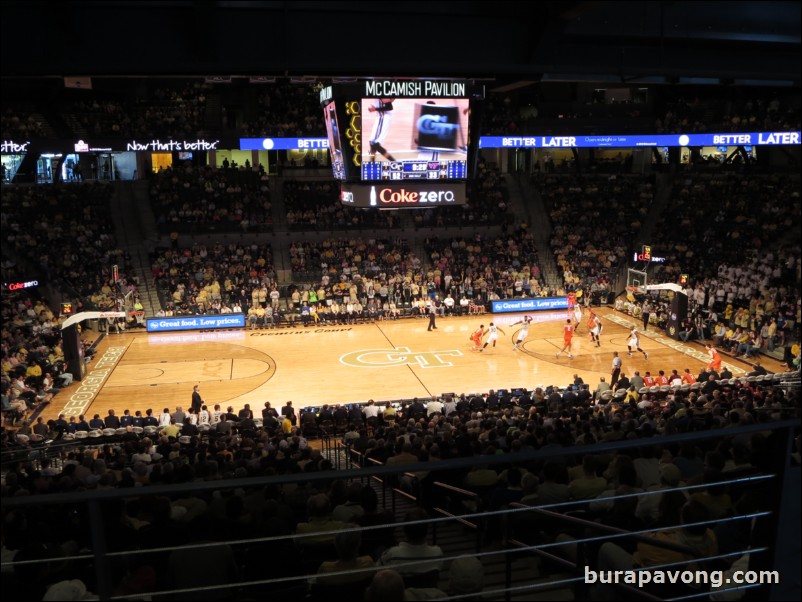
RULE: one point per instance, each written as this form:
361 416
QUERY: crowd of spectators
727 235
594 222
355 280
65 233
207 199
415 436
168 111
711 111
720 219
511 114
344 258
692 110
32 368
286 109
60 237
503 268
214 279
20 125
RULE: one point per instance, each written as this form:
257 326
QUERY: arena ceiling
507 43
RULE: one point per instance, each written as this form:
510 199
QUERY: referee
616 370
432 316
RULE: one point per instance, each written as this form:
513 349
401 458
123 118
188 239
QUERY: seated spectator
347 545
554 488
387 586
320 524
351 510
589 485
414 556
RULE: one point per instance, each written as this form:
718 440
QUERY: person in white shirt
215 415
414 555
371 410
203 415
448 304
164 417
435 406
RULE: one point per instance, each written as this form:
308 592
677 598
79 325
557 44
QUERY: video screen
414 139
335 144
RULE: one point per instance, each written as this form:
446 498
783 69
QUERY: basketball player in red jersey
476 337
715 359
571 304
568 333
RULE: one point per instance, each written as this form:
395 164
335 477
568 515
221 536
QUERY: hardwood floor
385 360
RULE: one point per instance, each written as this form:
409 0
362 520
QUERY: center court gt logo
398 356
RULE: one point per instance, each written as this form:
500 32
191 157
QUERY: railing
92 507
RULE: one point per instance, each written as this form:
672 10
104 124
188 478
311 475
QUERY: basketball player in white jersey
577 317
523 333
492 335
383 107
634 341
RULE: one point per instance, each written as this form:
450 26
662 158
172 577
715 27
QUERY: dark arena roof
513 43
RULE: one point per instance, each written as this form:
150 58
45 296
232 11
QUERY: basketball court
384 360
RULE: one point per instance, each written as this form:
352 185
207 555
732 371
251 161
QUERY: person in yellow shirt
34 370
260 316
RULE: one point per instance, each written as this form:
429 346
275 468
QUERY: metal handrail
95 498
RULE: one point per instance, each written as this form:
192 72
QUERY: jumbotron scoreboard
400 135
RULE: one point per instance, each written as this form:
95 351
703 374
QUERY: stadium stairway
534 210
456 539
133 218
281 239
664 185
